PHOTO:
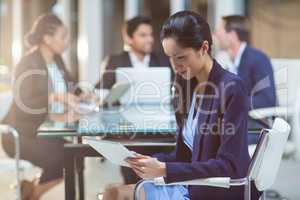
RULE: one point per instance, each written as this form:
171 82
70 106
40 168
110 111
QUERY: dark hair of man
238 24
133 24
189 30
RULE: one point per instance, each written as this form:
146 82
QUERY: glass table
135 126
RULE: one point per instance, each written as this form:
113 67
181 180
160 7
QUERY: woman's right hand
66 98
67 117
89 96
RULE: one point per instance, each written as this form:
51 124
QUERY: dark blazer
220 145
256 71
123 60
31 89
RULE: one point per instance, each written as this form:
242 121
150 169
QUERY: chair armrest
6 129
262 113
223 182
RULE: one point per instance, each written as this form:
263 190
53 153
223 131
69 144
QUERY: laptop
148 85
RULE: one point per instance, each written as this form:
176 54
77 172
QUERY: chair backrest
3 130
6 99
6 129
267 157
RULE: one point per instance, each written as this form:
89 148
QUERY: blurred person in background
138 38
251 64
42 89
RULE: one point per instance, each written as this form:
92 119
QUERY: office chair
262 169
8 164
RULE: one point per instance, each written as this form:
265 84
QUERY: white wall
90 40
176 6
17 33
228 7
131 9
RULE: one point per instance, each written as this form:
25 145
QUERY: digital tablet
115 152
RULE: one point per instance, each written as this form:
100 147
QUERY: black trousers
44 153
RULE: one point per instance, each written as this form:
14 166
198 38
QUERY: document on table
85 108
112 151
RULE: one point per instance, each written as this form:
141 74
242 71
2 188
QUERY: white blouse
58 85
189 129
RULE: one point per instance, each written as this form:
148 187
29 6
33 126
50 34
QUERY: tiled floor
288 179
98 174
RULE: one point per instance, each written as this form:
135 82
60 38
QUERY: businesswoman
211 119
42 88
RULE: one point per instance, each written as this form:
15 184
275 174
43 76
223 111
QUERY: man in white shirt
138 37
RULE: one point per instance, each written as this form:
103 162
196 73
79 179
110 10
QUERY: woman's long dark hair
189 30
45 24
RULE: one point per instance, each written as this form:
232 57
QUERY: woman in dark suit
42 88
211 110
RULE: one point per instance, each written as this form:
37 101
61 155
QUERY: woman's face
187 62
58 42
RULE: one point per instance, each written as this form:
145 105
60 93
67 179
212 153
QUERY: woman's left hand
147 167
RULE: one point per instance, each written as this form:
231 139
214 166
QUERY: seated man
139 37
252 65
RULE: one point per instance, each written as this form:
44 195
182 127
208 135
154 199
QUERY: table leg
69 172
80 173
74 162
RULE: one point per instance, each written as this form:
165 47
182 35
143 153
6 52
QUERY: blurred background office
95 28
